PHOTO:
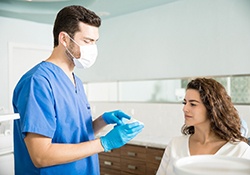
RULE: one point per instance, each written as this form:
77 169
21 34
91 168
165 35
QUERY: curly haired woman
212 126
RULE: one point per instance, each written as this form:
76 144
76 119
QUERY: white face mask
88 54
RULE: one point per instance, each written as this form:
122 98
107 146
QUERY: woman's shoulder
236 149
240 145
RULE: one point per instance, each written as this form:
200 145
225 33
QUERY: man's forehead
87 32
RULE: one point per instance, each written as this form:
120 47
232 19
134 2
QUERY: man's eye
87 41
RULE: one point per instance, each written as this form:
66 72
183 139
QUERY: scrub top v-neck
49 104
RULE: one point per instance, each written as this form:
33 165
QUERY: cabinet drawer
109 162
154 155
108 171
126 173
114 153
133 166
152 168
133 152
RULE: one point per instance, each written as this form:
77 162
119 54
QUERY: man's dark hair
68 20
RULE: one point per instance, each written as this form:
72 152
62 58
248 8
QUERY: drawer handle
157 158
132 167
132 154
107 163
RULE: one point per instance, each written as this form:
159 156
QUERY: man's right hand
120 135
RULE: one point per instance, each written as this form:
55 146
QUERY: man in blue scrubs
55 133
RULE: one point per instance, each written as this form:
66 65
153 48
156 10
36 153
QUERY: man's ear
62 38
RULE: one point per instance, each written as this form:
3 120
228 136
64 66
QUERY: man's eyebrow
91 39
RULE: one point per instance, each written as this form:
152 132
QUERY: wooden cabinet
106 171
154 156
110 162
131 160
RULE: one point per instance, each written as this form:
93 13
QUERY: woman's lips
188 116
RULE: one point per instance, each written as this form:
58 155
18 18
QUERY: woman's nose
185 109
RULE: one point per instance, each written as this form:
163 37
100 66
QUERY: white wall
18 32
181 39
162 121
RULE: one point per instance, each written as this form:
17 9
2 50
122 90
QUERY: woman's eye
184 103
193 104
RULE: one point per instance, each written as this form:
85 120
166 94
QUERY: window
163 91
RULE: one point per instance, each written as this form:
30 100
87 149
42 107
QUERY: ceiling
44 11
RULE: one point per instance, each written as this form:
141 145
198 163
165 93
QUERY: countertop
155 142
141 140
9 116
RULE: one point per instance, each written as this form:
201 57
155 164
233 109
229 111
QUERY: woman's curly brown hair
225 121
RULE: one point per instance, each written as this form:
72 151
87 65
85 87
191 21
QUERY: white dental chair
244 130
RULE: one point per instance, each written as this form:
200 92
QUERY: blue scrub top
49 104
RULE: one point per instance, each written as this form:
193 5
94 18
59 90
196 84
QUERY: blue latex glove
120 135
115 117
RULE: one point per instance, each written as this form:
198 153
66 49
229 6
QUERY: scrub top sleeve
36 107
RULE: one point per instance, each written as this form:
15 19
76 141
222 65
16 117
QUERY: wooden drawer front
133 152
154 155
107 171
109 162
152 168
114 153
133 166
126 173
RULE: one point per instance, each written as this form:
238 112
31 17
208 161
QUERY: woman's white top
179 148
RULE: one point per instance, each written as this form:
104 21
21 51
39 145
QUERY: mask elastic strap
73 40
69 53
72 56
